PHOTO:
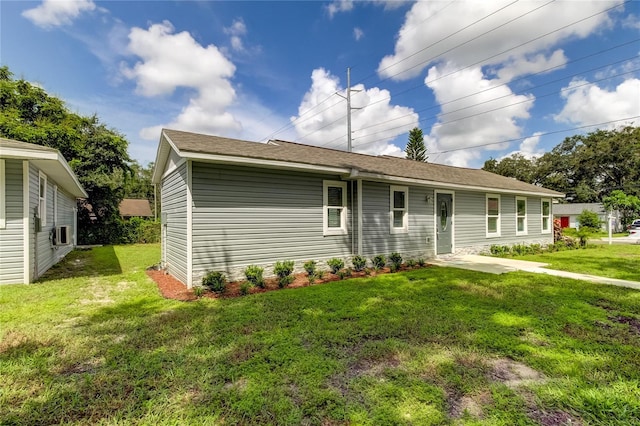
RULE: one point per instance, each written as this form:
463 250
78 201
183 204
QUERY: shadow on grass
94 262
364 350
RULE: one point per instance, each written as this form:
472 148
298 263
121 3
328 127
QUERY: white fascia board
430 183
258 162
26 223
162 155
27 154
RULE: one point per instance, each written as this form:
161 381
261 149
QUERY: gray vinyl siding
470 221
244 215
174 209
46 254
11 237
376 235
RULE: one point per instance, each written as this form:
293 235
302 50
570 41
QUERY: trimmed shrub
335 264
215 281
310 267
283 270
245 287
421 262
359 262
379 261
396 261
254 275
410 263
198 291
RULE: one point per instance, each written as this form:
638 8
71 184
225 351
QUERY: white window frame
42 200
499 216
405 211
55 204
543 216
3 196
524 218
325 208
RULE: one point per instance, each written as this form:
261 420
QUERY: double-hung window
493 215
546 216
334 207
42 198
521 216
399 200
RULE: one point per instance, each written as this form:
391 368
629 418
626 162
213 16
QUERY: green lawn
430 346
620 261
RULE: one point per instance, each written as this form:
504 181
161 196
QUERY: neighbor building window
521 216
335 207
3 195
42 196
546 216
493 215
399 200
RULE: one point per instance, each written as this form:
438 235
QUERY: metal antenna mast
348 98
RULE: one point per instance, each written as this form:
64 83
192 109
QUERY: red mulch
171 288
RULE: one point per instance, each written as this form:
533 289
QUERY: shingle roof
291 152
130 207
577 208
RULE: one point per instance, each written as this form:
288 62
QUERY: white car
634 233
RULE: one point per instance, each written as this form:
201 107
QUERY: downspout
352 228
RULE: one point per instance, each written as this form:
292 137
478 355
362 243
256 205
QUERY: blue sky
481 78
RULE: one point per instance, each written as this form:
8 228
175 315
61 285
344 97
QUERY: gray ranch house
38 215
227 204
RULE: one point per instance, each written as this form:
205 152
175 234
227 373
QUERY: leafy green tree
627 205
589 224
98 155
416 150
516 166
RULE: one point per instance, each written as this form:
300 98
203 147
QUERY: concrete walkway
499 265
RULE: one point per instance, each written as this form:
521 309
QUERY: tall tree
627 205
98 155
516 166
416 150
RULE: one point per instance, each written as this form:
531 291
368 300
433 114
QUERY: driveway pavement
499 265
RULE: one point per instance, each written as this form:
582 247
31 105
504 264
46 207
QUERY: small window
3 194
521 216
335 207
42 195
546 216
399 212
493 215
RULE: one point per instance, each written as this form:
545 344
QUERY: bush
215 281
379 261
310 267
396 261
557 230
410 263
421 262
283 270
359 262
335 264
137 231
245 287
198 291
254 275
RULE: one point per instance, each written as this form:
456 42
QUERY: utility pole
348 98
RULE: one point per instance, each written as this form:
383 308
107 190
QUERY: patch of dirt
471 404
633 323
553 418
171 288
239 385
513 373
89 367
15 341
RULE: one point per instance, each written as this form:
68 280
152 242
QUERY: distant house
130 207
568 215
38 213
229 203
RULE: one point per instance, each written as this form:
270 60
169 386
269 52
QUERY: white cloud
237 30
528 148
590 104
479 119
632 21
55 13
323 122
358 33
339 6
427 25
518 66
175 60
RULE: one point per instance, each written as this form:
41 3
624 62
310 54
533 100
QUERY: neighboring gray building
568 214
228 203
38 213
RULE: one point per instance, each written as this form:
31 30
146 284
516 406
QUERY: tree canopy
585 167
416 150
97 154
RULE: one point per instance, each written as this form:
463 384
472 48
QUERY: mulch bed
171 288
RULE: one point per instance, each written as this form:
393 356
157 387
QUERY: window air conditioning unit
63 235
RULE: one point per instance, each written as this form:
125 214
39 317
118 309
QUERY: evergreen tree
416 150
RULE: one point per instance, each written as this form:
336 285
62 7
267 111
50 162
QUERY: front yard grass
621 261
430 346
